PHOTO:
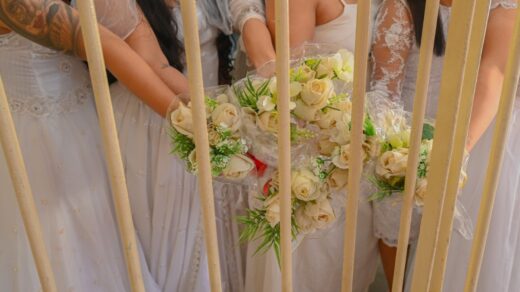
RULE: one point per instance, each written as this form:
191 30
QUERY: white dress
395 77
56 122
164 196
318 258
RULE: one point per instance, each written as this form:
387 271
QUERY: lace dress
56 122
395 58
317 259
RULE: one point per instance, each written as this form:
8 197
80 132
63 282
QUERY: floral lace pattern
507 4
392 43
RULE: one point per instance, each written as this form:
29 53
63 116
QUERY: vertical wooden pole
449 102
503 118
284 141
89 28
420 99
193 57
476 44
24 196
356 167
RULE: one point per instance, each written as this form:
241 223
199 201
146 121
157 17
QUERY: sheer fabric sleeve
119 16
508 4
243 10
393 40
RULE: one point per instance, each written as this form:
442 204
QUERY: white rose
265 104
341 156
316 93
305 223
249 114
321 213
392 164
181 119
223 98
272 214
341 133
295 88
305 112
304 185
305 73
226 115
338 179
268 121
345 106
420 191
370 146
329 119
328 66
239 167
326 147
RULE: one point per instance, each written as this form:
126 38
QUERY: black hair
161 19
417 8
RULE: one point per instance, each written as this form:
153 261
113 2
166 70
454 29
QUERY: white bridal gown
164 196
501 262
55 118
317 261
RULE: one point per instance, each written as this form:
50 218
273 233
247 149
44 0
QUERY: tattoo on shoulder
50 23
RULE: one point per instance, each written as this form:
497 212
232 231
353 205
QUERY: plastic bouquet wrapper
312 205
228 149
390 172
319 92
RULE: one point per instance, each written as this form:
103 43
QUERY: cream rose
268 121
226 115
272 214
329 118
329 66
317 92
213 136
321 213
239 167
181 119
392 164
305 223
222 98
341 156
341 134
344 106
338 179
370 146
305 73
305 112
326 147
304 185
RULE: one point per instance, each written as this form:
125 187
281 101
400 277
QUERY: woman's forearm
257 42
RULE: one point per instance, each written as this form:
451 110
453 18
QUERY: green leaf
182 145
428 131
368 127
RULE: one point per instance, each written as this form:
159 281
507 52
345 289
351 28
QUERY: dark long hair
161 19
417 7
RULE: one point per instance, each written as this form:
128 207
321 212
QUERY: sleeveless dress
55 118
318 258
501 257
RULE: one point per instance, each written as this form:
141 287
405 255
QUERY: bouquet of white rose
311 205
227 147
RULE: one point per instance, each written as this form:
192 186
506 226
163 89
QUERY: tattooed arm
54 24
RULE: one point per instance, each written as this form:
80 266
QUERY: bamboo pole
90 31
449 102
476 44
193 58
506 106
420 100
284 141
24 196
363 33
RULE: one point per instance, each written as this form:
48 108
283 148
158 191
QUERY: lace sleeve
392 43
508 4
243 10
119 16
